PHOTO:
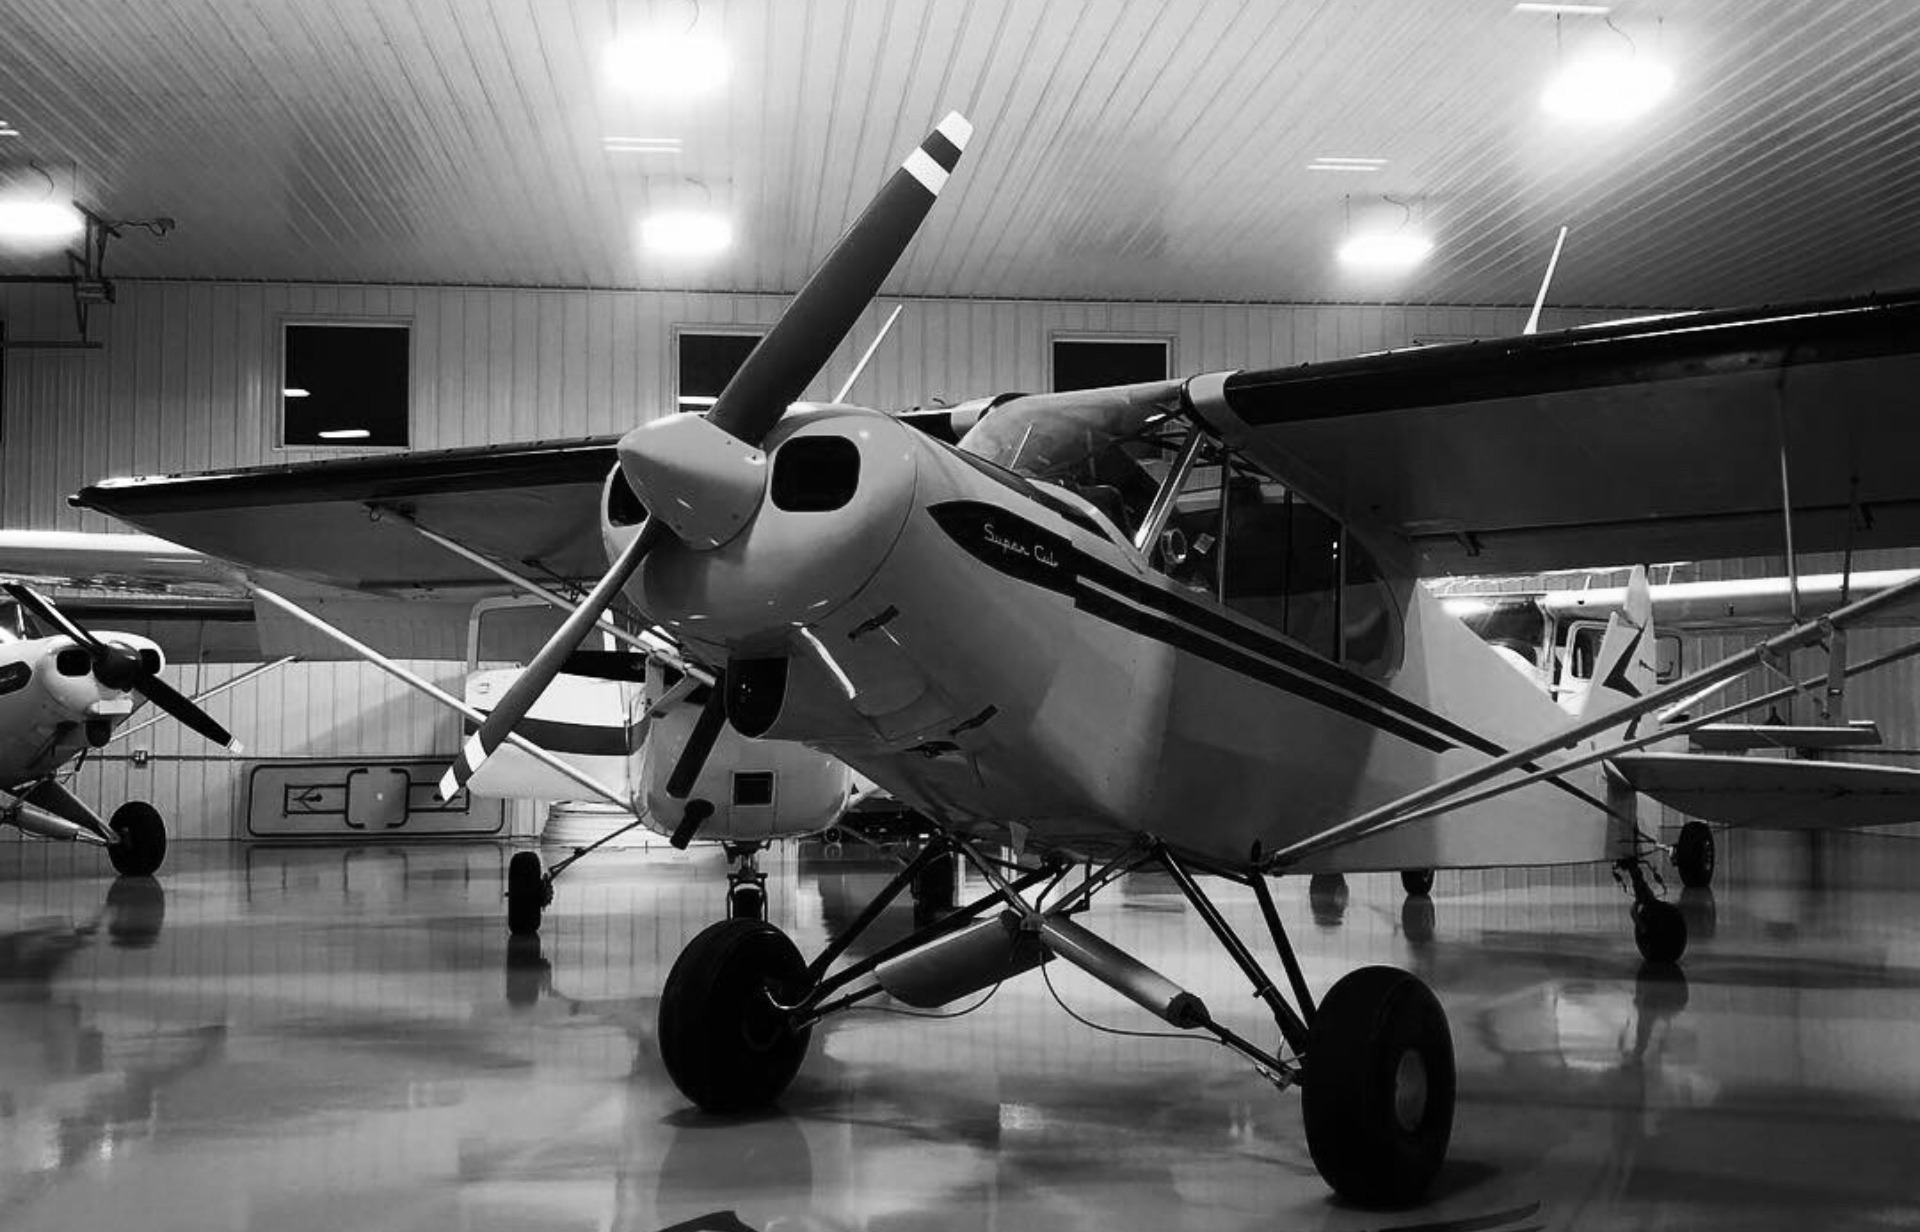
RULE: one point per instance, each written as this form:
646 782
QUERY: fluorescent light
345 434
1385 251
642 145
685 233
665 65
1326 163
39 220
697 400
291 392
1607 87
1571 10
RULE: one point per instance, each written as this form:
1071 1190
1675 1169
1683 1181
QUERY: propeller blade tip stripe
957 129
920 165
234 746
449 786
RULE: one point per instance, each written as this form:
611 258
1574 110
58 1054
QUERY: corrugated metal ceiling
1124 148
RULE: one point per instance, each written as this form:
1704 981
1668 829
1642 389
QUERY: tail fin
1624 668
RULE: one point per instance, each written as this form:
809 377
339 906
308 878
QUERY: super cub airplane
1172 625
62 693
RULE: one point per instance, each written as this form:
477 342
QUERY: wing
1647 440
1776 794
534 506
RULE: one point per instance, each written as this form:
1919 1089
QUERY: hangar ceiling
1124 149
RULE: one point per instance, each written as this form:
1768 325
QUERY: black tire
933 886
725 1044
1660 931
1378 1089
1327 899
528 893
143 839
1417 881
1693 855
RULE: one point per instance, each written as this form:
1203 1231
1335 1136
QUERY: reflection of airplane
62 693
1170 625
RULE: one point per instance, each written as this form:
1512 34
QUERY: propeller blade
548 663
706 730
43 609
183 708
798 346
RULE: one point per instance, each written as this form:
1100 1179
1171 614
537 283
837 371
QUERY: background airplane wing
535 507
1774 793
1648 440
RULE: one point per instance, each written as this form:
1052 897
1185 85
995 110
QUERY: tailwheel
529 890
1417 881
1377 1092
1693 855
747 898
727 1043
1660 930
141 842
934 888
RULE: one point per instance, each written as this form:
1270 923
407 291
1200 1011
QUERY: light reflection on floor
330 1038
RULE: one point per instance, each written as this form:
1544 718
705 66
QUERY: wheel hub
1410 1090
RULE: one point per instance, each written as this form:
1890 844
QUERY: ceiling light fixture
1570 10
8 130
1381 247
642 145
291 392
1327 163
345 434
669 65
685 233
1607 87
41 220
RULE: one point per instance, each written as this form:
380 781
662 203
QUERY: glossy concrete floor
342 1039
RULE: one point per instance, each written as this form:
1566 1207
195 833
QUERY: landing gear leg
1659 929
746 884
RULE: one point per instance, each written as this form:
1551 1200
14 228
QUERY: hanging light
685 233
1381 247
1608 87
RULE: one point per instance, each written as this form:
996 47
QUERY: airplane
1173 625
62 694
615 726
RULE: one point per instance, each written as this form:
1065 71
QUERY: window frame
683 330
1055 337
277 397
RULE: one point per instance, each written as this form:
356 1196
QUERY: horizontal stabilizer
1739 737
1774 793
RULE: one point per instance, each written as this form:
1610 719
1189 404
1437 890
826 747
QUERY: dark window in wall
1088 363
345 384
3 382
707 362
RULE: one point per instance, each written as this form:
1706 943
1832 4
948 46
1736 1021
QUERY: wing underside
1776 793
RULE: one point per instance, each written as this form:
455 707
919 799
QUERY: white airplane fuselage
991 652
49 716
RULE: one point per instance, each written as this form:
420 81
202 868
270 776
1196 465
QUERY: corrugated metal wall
188 379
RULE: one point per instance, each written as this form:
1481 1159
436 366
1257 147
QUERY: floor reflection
319 1038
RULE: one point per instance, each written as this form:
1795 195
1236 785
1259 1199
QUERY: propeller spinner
706 474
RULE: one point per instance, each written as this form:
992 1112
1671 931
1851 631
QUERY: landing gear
1327 899
933 889
746 884
1659 930
1377 1096
727 1040
1417 881
141 839
529 890
1693 855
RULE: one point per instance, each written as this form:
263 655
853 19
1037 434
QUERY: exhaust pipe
950 967
1123 973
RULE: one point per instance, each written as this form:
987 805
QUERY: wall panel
188 379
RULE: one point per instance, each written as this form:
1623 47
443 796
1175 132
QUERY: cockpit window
1111 446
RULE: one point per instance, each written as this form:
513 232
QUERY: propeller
775 373
121 667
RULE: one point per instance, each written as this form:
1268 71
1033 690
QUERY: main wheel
528 893
143 839
1693 855
1417 881
726 1044
933 886
1327 899
1377 1093
1660 931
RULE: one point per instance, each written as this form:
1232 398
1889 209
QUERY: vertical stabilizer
1624 668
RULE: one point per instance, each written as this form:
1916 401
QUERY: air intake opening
815 474
73 661
756 689
623 506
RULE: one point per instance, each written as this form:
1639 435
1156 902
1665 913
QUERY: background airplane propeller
122 667
775 373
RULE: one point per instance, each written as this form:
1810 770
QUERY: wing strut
1398 812
413 681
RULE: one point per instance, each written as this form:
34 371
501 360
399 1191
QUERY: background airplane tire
1418 881
528 893
724 1044
143 839
1377 1095
1660 931
1693 855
